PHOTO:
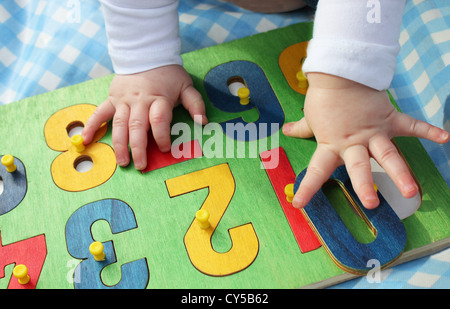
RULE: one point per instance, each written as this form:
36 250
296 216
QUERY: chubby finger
160 117
409 126
120 134
299 129
138 126
192 101
357 163
103 113
323 163
387 155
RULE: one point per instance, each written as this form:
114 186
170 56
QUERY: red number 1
31 252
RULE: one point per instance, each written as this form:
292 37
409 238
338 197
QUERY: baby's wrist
327 81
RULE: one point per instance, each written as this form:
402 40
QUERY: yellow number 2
221 184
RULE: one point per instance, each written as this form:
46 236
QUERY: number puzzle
113 227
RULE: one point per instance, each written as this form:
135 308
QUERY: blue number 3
15 186
135 275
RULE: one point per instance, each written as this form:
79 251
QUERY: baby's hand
139 101
351 123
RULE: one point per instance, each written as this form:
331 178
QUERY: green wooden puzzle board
162 221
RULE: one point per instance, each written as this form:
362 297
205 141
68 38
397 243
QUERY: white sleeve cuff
356 40
368 64
142 35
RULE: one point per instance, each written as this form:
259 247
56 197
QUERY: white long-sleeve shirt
142 34
353 39
356 40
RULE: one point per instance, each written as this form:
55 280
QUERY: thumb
103 113
298 129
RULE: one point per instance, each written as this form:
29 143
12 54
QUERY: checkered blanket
46 45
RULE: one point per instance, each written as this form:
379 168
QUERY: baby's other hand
351 123
139 101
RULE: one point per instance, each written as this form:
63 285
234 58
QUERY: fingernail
287 127
200 119
410 188
370 198
298 202
165 148
121 162
444 135
371 201
139 165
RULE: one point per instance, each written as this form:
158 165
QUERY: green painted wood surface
163 221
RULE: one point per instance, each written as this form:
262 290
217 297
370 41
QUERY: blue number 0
343 248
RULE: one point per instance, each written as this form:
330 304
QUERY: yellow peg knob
302 80
375 187
77 142
244 95
289 191
96 249
21 273
202 217
8 161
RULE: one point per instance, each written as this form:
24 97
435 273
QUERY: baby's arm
350 63
150 81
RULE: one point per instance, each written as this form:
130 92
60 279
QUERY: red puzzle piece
31 252
157 159
280 176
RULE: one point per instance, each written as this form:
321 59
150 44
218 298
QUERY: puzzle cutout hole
302 61
83 163
74 128
347 210
235 83
403 207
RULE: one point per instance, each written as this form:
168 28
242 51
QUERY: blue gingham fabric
421 85
48 44
431 272
212 22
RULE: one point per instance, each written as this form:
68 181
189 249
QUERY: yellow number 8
63 169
